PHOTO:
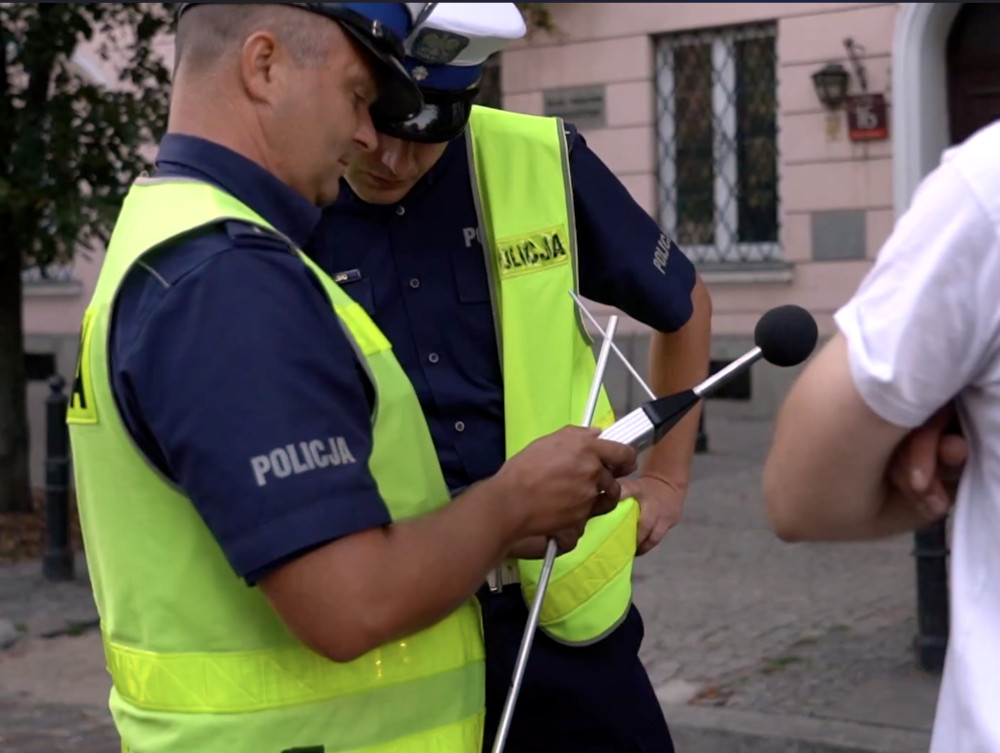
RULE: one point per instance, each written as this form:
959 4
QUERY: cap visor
399 97
438 121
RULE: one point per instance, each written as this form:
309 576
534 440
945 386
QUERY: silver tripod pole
550 558
621 356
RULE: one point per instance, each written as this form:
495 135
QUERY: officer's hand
661 503
533 547
560 481
926 467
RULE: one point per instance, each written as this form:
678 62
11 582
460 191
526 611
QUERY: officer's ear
264 66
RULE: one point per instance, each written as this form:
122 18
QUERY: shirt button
459 426
433 358
400 210
414 283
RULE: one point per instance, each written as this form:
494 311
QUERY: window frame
726 249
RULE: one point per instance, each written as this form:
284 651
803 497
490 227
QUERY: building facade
709 114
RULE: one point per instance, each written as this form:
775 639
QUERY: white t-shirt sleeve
924 321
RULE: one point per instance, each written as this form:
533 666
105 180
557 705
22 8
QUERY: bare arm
367 589
678 361
919 331
826 475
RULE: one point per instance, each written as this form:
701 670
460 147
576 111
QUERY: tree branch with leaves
69 148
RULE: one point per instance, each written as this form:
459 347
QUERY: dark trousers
573 699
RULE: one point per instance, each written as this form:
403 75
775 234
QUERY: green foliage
537 16
69 146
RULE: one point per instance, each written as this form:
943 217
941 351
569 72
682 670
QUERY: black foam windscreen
786 335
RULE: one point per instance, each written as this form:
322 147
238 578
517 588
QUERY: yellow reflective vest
200 663
524 199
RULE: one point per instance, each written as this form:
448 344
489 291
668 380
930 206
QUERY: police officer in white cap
461 235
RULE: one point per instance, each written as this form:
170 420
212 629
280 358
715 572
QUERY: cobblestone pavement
31 727
733 617
53 688
32 606
736 617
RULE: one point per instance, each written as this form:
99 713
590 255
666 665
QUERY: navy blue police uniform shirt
418 268
234 377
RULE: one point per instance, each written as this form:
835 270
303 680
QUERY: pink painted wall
56 308
613 44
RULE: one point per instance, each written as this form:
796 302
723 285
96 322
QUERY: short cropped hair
208 33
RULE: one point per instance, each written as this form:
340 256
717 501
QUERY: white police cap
445 55
448 47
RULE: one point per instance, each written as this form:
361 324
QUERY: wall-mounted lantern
830 83
866 112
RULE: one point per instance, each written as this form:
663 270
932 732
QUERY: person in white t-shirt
922 333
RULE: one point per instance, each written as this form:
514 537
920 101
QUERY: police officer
238 421
456 235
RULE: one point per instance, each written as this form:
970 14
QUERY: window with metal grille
490 94
716 94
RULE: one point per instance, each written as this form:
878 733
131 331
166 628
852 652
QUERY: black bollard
701 443
930 549
57 563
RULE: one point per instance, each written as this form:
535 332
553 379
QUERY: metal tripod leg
621 356
550 559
